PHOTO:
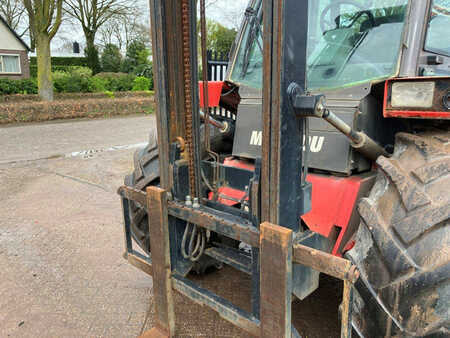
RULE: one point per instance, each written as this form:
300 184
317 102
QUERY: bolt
225 127
320 107
196 204
188 202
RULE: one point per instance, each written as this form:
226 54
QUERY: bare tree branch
121 30
93 14
14 13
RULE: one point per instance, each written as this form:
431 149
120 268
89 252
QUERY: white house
14 62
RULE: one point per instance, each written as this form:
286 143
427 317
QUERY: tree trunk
32 40
44 66
93 60
90 38
31 32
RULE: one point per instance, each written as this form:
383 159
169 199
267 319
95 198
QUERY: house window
9 64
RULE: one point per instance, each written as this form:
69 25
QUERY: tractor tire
403 243
146 173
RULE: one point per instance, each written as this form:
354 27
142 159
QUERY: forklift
334 159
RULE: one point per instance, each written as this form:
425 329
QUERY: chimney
76 48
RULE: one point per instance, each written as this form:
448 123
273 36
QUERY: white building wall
8 40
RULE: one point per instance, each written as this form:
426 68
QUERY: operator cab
353 47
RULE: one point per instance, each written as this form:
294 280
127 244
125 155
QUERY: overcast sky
228 13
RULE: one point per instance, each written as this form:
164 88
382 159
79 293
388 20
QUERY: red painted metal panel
214 92
233 162
333 201
418 114
230 192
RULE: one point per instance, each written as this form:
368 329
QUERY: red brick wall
24 64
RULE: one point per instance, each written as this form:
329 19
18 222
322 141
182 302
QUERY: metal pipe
324 262
219 125
340 125
360 141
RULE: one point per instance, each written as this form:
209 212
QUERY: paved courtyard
61 241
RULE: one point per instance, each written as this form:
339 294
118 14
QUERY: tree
93 14
137 55
219 38
124 29
13 12
45 18
92 59
15 15
111 58
222 39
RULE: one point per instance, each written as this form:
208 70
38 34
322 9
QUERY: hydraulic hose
197 243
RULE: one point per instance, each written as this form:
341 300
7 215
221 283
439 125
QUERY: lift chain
189 139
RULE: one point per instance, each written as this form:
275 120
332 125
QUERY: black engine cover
329 149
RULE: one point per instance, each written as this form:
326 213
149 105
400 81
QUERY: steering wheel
327 25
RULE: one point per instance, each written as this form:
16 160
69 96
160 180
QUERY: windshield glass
438 36
249 59
349 42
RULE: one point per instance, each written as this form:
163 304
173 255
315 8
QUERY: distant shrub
126 66
93 59
28 86
55 68
70 83
59 63
109 94
111 58
63 61
78 80
140 84
110 74
120 84
97 84
24 86
81 71
146 71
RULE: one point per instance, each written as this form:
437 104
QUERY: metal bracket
135 258
304 105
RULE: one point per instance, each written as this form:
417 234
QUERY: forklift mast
285 195
285 258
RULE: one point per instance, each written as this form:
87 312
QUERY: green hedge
63 61
78 82
141 83
55 68
75 83
25 86
59 63
22 98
